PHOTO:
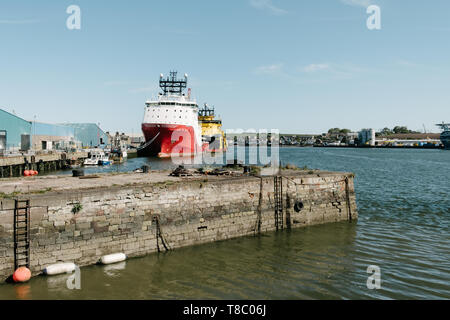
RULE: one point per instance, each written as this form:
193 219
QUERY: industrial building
52 136
135 139
124 141
410 140
90 135
15 132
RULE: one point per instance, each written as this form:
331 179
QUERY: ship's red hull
170 140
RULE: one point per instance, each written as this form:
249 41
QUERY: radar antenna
206 111
171 84
444 126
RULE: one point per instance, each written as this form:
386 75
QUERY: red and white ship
170 124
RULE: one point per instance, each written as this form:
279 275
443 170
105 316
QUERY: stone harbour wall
188 212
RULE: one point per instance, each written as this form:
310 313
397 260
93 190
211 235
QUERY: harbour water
403 227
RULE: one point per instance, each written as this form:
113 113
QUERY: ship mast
444 126
172 85
206 111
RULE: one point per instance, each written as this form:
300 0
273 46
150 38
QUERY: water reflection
403 228
114 270
22 291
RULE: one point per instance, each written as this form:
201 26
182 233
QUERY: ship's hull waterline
168 140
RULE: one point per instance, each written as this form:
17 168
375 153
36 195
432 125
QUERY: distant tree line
339 131
335 134
384 132
395 130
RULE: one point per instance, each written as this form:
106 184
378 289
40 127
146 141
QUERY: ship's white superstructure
170 123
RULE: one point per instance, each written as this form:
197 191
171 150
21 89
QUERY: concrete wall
122 218
18 160
51 142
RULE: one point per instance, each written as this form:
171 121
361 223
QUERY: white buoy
59 268
113 258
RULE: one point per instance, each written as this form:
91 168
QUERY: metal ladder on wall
21 234
278 198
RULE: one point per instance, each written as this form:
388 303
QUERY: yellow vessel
213 137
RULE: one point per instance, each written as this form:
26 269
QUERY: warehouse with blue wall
19 134
16 129
89 134
48 129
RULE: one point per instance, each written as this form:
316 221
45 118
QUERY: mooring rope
347 194
159 235
148 143
259 208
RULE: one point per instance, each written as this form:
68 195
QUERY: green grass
14 194
164 183
9 195
41 191
255 171
77 207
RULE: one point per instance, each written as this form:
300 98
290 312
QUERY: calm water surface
403 227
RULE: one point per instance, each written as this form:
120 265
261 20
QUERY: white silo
372 137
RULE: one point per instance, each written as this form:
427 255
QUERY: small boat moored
97 158
104 160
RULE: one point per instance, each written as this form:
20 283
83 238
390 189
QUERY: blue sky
298 66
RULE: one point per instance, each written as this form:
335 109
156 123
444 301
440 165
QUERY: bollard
78 173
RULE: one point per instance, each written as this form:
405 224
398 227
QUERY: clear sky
300 66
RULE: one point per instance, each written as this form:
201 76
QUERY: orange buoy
26 173
34 172
22 274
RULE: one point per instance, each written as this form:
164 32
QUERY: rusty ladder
21 234
278 199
